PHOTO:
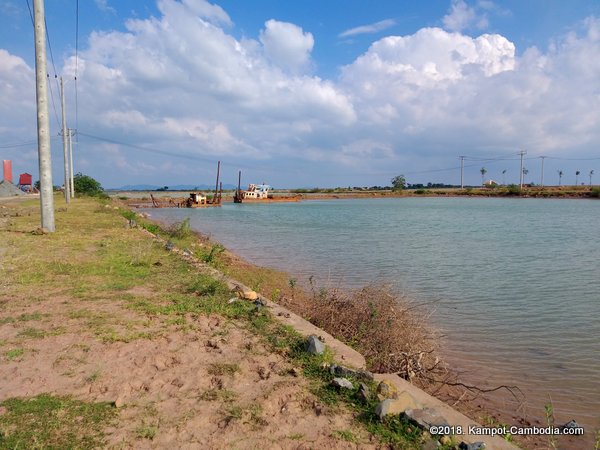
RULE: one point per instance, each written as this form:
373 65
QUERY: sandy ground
212 385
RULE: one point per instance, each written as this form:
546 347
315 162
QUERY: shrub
180 230
388 330
86 185
595 192
513 189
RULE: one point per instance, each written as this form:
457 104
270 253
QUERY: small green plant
146 431
234 412
93 376
225 395
33 333
151 227
14 353
346 435
214 252
180 230
219 369
549 412
275 295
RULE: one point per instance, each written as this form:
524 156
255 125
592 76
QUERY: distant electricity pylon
522 153
65 139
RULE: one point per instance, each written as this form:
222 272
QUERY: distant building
26 182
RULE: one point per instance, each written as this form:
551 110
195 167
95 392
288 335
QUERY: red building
25 180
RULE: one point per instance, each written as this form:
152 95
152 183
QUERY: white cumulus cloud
287 45
462 16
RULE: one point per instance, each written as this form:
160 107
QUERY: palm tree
483 171
503 177
591 173
560 174
577 177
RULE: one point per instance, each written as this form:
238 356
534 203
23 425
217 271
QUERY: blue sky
311 93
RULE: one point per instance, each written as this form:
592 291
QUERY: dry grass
391 332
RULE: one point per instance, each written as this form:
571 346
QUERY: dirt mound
7 189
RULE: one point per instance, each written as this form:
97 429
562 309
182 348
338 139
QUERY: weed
225 395
93 376
212 255
234 412
33 333
151 227
206 285
296 436
180 230
14 353
111 336
346 435
146 431
275 295
549 412
223 369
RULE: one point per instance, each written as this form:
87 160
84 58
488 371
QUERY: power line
24 143
164 152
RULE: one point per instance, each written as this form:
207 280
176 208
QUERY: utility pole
65 138
43 122
522 152
462 169
71 163
542 181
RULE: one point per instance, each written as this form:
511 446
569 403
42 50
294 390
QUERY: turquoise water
514 284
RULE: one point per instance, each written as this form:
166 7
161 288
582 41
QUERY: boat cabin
258 192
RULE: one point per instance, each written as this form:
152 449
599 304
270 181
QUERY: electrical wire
166 153
23 144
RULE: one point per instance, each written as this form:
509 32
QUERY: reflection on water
515 283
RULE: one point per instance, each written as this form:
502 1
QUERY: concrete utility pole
43 122
462 169
542 181
65 141
71 163
522 152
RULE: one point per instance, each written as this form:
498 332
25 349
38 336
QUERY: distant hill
178 187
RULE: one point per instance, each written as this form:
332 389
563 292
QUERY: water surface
514 283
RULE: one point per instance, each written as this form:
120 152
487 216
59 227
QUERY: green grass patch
53 422
15 353
146 431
